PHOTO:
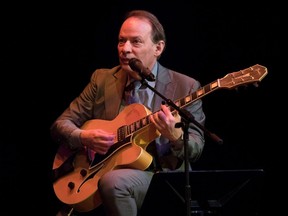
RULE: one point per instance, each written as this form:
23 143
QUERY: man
122 190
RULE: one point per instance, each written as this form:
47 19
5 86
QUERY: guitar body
77 180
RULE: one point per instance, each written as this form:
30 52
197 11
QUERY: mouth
124 61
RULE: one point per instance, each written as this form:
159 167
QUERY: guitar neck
201 92
253 74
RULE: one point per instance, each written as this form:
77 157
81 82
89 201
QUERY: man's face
135 42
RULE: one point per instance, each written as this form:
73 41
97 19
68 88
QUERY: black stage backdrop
49 51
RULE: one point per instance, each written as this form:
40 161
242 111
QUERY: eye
121 41
137 42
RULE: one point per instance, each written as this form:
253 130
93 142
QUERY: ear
159 48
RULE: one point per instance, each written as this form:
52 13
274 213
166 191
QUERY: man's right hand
97 140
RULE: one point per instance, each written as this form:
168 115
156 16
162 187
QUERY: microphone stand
186 119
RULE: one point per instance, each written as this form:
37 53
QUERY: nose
127 47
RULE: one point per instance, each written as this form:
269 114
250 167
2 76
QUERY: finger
162 116
152 118
155 120
177 117
166 110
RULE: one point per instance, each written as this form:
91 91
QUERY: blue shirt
146 95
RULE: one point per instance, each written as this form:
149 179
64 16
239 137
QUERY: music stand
213 192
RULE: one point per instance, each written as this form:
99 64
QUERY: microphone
136 65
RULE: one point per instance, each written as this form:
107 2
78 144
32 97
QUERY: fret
200 92
144 121
122 132
138 125
194 95
181 102
214 84
188 99
207 88
132 127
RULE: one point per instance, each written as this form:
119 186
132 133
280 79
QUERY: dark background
49 51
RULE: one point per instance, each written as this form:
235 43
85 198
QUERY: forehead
135 26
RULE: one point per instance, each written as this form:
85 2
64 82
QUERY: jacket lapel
165 86
114 84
